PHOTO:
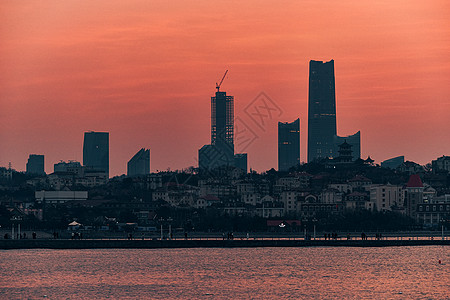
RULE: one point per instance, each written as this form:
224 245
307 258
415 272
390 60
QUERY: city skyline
145 74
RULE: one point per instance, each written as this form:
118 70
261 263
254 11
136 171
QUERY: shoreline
199 243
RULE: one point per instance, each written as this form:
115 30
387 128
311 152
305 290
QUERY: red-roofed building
413 194
414 181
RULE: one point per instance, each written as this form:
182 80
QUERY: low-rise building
385 197
60 197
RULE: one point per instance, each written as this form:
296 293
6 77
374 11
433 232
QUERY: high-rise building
221 150
96 151
222 126
139 164
321 110
222 119
288 145
35 164
240 161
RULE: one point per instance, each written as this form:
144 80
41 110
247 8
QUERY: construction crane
218 85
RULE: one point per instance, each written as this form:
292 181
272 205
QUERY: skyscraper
222 123
96 151
139 164
288 145
221 150
321 110
35 164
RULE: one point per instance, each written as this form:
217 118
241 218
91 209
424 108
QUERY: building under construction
221 150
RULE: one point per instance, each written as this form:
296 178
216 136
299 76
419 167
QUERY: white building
385 197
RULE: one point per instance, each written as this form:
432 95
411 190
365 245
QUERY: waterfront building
413 195
386 197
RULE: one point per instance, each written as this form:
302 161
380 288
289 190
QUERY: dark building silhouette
139 164
222 126
96 152
288 145
321 110
354 140
240 161
222 119
35 164
221 150
393 163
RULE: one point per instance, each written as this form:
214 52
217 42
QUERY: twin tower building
323 141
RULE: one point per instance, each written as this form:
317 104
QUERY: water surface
210 273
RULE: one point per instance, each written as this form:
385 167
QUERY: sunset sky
145 71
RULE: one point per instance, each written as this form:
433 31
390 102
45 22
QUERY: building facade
139 164
288 145
96 151
321 110
35 164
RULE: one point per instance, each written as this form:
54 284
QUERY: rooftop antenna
218 85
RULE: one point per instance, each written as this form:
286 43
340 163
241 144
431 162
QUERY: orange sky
145 72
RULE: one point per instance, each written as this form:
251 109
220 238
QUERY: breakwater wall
199 243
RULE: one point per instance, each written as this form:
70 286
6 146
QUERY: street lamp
442 228
314 223
304 226
161 222
170 227
15 219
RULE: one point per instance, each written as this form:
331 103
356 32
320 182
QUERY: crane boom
218 85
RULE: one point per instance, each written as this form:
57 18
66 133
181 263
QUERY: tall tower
222 119
221 150
288 145
96 151
222 127
321 110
